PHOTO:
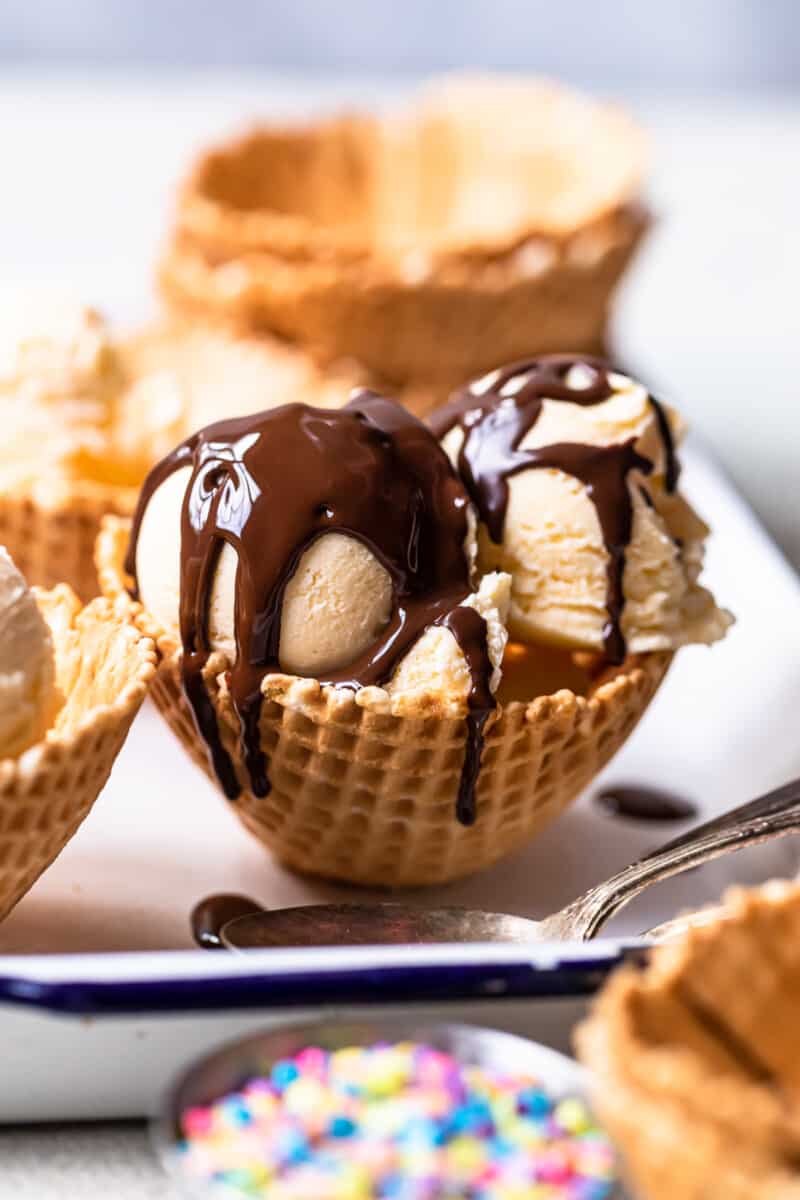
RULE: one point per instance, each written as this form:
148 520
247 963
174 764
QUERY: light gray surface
80 1162
702 44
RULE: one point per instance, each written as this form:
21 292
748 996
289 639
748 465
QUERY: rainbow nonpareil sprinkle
395 1122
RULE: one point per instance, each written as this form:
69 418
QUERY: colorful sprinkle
395 1122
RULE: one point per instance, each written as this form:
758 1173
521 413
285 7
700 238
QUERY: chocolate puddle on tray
641 802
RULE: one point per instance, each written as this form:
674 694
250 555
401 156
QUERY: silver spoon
238 923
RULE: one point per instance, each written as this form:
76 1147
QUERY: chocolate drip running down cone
271 485
496 412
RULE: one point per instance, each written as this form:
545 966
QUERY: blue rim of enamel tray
539 973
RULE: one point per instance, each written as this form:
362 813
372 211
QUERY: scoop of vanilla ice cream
28 694
553 545
58 378
334 607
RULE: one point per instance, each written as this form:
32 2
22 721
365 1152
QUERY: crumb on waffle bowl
364 789
104 666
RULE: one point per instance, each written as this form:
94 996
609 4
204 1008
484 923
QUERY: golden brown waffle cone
363 793
103 668
52 538
429 245
696 1059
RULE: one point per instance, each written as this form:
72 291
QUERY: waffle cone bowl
696 1059
103 668
430 244
52 537
365 792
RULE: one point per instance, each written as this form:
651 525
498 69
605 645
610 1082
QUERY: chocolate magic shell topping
271 484
497 411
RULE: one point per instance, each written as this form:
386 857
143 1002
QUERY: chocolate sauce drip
269 485
497 412
212 913
469 629
643 803
672 469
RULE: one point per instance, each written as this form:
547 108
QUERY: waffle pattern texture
53 541
103 668
696 1059
365 794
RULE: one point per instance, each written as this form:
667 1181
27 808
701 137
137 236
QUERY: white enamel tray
89 1031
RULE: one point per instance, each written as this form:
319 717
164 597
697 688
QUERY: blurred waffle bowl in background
102 668
694 1058
489 221
409 250
86 414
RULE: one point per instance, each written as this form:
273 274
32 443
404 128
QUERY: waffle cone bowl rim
86 749
395 301
371 310
204 217
377 721
248 277
114 587
674 1106
34 519
28 763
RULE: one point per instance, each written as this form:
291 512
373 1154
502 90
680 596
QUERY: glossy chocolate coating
269 485
496 413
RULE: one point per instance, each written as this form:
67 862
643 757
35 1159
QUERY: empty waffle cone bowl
364 790
696 1059
103 668
490 221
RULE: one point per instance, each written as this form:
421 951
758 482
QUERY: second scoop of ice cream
573 470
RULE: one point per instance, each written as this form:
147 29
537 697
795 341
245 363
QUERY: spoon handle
772 815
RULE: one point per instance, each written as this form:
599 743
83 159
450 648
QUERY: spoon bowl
371 924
